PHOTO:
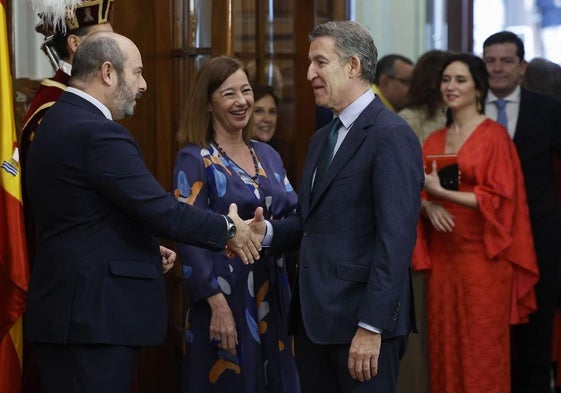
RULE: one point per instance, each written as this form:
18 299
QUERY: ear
354 67
72 42
108 74
523 67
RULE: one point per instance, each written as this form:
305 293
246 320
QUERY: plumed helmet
61 16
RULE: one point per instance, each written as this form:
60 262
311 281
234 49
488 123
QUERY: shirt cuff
369 327
268 239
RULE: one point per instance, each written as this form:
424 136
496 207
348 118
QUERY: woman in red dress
474 241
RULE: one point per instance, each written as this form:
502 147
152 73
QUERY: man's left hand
363 354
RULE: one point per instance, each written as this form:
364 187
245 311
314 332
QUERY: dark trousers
89 368
532 342
323 368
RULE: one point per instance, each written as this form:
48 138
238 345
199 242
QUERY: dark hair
425 81
260 91
478 71
503 37
386 65
60 40
351 39
95 50
195 124
543 76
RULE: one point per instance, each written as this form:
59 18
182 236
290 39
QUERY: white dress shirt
511 108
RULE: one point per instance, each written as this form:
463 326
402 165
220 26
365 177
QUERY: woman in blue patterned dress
236 335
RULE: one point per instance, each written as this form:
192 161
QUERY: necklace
251 152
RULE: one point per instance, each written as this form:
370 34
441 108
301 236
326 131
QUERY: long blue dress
258 294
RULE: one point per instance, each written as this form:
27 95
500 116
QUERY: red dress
480 276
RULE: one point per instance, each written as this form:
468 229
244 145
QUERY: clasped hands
246 244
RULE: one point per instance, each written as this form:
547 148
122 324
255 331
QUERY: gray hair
93 52
351 39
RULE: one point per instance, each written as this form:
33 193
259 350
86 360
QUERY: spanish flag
14 267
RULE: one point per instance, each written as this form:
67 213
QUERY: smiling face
458 87
504 66
231 104
329 77
264 118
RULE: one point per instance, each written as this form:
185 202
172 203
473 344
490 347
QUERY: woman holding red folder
474 240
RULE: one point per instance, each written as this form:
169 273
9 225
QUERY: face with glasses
395 85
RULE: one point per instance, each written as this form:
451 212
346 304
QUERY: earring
478 106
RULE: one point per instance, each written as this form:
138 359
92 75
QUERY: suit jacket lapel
347 150
524 121
309 167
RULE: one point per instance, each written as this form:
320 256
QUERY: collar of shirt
512 97
106 112
65 67
350 114
353 111
511 109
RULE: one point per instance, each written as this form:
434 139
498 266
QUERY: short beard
124 104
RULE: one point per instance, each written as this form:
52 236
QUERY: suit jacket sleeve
116 169
397 180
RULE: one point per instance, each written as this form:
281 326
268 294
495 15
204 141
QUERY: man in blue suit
97 290
533 120
353 305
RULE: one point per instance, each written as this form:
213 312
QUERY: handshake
246 243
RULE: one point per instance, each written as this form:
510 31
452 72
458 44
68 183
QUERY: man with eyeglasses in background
392 80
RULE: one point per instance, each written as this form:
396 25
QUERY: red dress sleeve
507 231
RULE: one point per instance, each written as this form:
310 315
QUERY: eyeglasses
404 81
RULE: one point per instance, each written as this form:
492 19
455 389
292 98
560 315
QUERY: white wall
30 61
397 26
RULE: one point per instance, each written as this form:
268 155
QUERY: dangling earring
478 106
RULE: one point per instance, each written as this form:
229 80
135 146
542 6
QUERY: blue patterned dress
258 294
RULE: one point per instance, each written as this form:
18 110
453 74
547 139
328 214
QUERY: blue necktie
327 150
501 116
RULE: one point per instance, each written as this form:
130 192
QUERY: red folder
447 168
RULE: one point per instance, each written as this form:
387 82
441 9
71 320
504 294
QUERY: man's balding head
108 66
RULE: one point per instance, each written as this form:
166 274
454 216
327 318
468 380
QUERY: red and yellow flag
14 267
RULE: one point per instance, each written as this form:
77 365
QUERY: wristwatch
231 228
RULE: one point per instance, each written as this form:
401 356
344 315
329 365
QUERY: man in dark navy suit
353 305
97 290
533 120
